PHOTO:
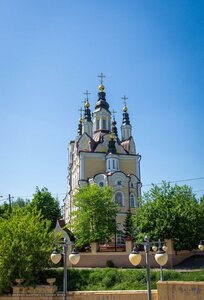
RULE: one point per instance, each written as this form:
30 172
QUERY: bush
110 264
116 279
110 279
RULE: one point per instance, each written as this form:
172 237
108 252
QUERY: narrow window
132 200
119 199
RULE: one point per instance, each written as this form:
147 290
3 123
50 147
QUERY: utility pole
10 204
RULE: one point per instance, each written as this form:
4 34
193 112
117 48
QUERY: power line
176 181
144 185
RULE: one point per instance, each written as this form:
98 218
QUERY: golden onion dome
112 136
86 104
125 109
101 87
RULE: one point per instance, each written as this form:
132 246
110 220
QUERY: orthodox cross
87 95
114 112
101 76
124 98
80 112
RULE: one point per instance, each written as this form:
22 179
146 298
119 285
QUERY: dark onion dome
87 111
80 126
111 144
102 103
126 120
114 128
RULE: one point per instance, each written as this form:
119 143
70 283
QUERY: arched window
119 199
132 200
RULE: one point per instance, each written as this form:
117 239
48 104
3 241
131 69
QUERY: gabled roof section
98 136
129 145
86 143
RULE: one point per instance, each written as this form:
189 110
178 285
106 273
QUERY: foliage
170 212
128 226
20 203
95 214
46 204
6 209
25 247
110 264
117 279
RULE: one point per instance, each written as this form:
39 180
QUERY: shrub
110 264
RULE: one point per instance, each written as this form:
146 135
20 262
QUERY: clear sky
52 51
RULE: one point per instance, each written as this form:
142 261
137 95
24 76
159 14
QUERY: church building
100 155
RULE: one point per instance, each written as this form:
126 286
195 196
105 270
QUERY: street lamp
201 245
161 258
135 259
74 258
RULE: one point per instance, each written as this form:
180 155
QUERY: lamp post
201 245
135 258
161 258
74 258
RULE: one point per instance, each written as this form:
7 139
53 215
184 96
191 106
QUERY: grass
116 279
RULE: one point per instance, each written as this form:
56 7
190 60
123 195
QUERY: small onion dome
112 136
101 87
86 104
125 109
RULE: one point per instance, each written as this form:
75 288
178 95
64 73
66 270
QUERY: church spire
87 111
126 120
101 103
101 114
80 122
87 122
126 128
113 125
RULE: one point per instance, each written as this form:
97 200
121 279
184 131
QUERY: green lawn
116 279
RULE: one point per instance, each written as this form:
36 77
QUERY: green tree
95 215
170 212
25 247
20 203
128 226
5 210
46 204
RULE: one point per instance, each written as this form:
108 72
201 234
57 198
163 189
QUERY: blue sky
52 51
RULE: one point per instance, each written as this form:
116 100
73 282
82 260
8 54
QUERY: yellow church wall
128 164
93 166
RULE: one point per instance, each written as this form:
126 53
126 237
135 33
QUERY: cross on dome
113 113
80 110
101 76
87 95
124 98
